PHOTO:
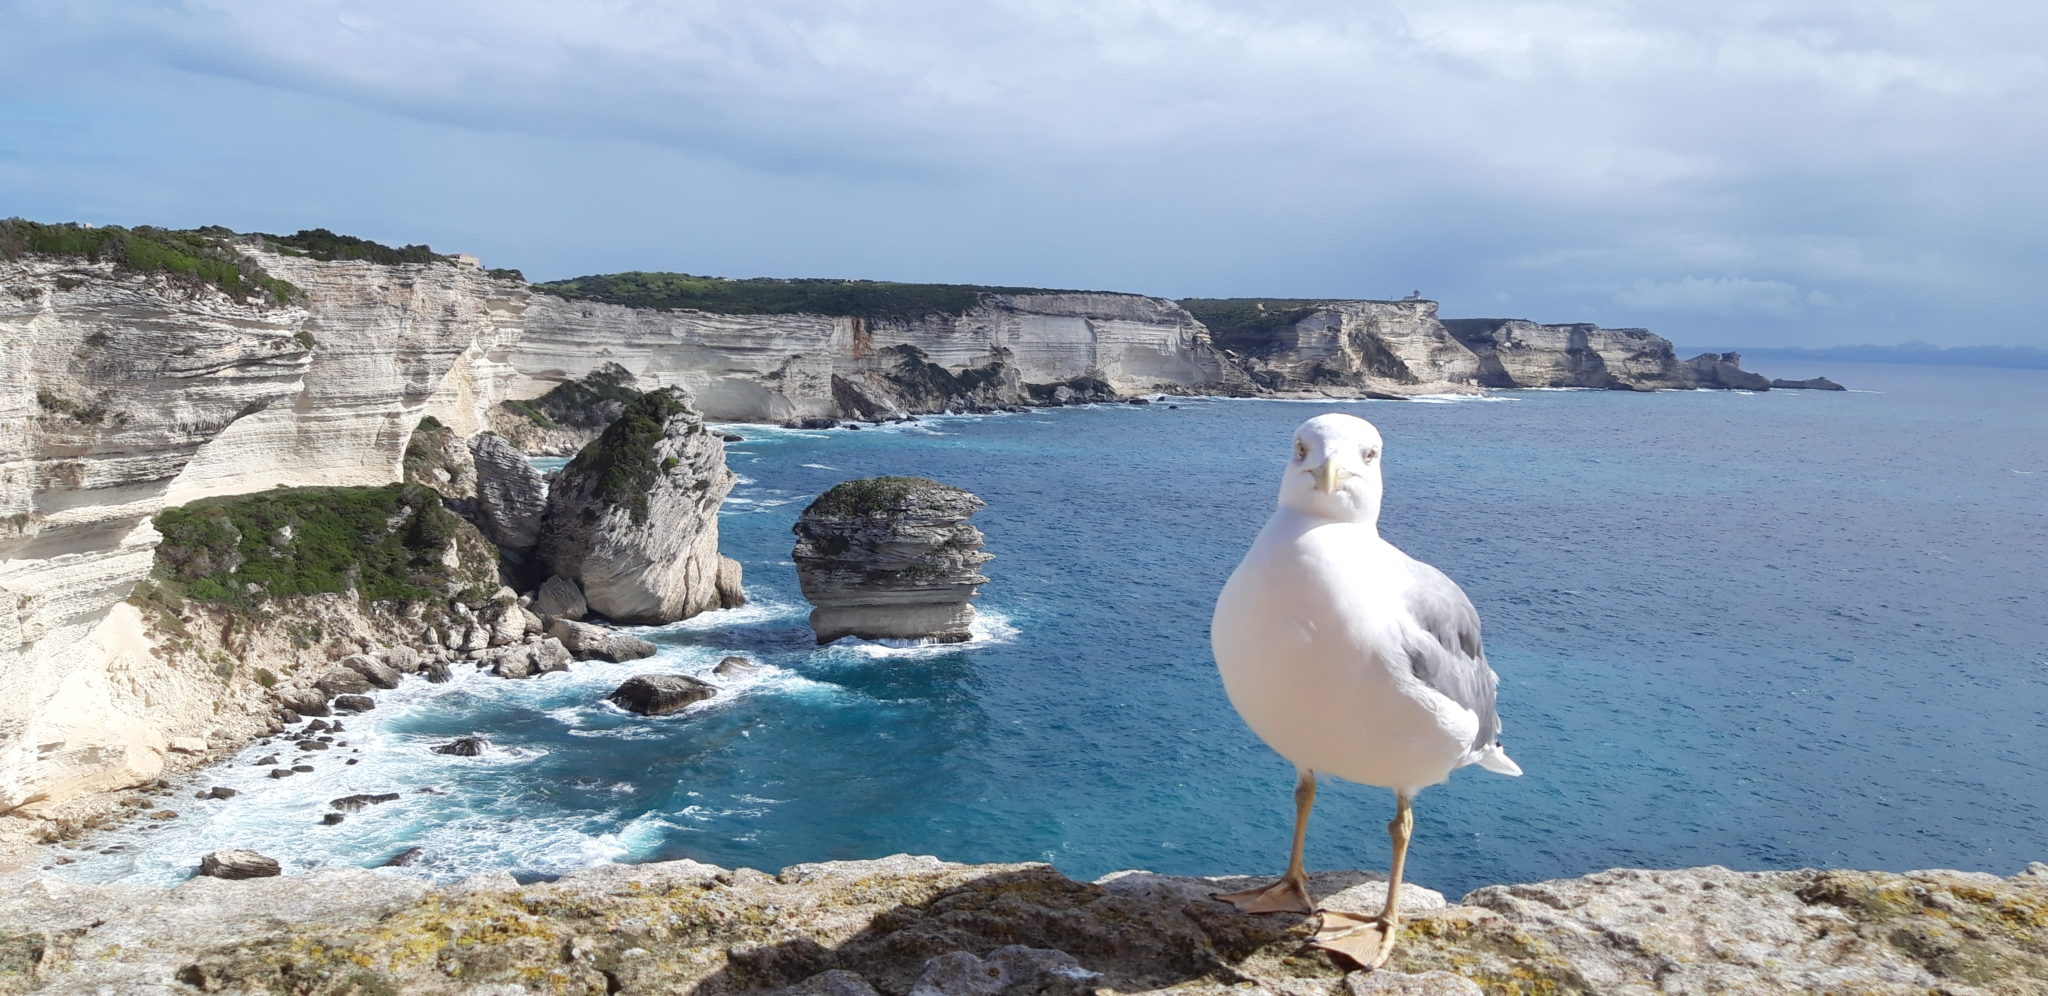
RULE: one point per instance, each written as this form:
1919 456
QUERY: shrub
382 543
321 244
200 257
620 463
771 296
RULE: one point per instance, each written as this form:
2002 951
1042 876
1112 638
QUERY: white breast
1308 635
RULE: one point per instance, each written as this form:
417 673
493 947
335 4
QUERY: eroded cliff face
110 385
781 367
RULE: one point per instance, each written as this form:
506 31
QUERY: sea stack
886 558
633 520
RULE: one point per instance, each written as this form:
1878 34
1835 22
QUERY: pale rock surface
588 641
904 924
634 518
511 497
560 598
890 558
1517 353
528 660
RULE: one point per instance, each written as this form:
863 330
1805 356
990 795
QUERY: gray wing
1449 657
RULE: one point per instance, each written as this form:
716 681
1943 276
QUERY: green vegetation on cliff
321 244
1249 324
872 495
200 256
393 542
591 402
621 463
770 296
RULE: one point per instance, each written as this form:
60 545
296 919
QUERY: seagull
1351 658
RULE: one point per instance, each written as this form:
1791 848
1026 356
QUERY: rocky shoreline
920 926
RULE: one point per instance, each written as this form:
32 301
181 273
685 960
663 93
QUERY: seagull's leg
1290 894
1370 941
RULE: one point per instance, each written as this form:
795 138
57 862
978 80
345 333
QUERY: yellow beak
1327 476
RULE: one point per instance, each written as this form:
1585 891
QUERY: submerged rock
634 518
238 863
356 803
890 558
658 694
735 666
463 747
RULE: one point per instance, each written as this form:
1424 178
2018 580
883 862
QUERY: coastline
918 924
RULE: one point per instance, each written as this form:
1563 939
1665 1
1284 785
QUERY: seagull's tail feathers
1495 759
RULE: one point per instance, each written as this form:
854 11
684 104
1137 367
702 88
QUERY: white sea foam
988 629
817 466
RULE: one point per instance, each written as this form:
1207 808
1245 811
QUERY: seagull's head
1333 471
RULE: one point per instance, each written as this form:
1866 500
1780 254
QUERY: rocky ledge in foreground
890 558
921 926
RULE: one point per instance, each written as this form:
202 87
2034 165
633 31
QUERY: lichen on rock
890 558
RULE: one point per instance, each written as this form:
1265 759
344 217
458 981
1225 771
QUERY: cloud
1722 296
1551 152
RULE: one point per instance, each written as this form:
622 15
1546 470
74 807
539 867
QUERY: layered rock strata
633 520
919 925
890 558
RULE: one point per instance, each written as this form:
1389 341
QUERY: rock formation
1724 371
437 458
633 520
1517 353
589 642
919 925
569 415
890 558
511 497
660 694
1809 384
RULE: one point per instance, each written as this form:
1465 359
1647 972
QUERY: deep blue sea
1759 630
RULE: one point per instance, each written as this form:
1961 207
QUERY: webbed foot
1289 895
1365 941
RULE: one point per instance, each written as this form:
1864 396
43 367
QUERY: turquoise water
1765 631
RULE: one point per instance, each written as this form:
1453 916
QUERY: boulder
511 497
463 747
589 642
633 519
238 863
506 625
890 558
735 666
189 745
354 703
528 660
302 700
658 694
404 660
559 597
437 672
218 792
332 819
341 681
374 671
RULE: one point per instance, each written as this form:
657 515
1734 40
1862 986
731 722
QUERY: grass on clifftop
872 495
199 257
384 543
621 463
771 296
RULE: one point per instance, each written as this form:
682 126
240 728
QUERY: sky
1735 173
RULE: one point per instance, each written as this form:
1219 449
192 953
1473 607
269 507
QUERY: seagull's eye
1300 450
1370 454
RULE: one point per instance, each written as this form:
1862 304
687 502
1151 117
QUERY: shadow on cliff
1140 931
